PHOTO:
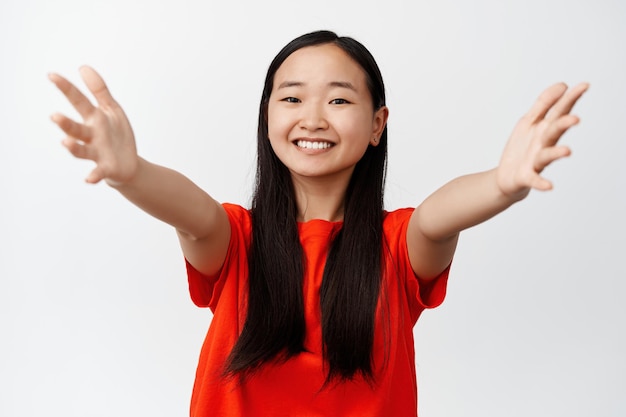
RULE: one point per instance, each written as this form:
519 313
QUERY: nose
313 118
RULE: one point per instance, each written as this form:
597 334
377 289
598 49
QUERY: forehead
320 64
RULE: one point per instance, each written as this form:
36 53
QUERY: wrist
131 177
508 188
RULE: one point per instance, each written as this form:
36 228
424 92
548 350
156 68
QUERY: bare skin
106 137
469 200
320 96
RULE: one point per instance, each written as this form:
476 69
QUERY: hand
105 136
533 145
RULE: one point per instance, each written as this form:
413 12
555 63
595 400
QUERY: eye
291 100
339 101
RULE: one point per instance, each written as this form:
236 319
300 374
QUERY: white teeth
313 145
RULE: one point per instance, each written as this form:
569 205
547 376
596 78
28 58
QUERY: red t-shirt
293 388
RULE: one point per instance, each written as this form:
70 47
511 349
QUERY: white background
95 318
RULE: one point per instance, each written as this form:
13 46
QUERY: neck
320 198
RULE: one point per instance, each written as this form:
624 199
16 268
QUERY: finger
94 176
557 128
97 86
548 155
567 102
545 101
77 99
540 183
78 149
72 128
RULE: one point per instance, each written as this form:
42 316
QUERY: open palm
533 145
105 135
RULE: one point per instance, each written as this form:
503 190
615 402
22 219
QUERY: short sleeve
420 296
205 291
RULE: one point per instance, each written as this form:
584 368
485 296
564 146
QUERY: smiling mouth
306 144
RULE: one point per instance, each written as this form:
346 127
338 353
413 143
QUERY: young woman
315 289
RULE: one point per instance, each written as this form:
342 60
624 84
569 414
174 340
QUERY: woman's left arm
466 201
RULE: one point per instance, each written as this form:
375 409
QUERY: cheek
275 132
276 124
358 126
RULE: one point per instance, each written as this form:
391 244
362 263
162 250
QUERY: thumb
95 176
541 184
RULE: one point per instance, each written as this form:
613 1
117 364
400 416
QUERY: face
320 113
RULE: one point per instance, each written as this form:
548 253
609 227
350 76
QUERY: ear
378 125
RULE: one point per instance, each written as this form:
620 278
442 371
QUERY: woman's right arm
106 137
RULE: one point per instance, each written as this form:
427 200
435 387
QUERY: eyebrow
340 84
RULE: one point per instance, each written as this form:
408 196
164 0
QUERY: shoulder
236 209
206 290
239 217
397 219
395 225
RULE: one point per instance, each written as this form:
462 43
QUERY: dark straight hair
274 329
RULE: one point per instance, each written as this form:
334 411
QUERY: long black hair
274 329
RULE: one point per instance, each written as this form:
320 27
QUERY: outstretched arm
469 200
106 137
